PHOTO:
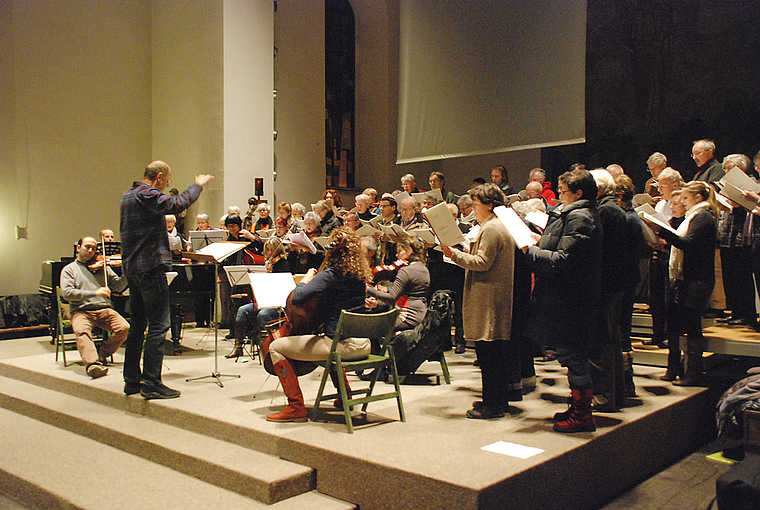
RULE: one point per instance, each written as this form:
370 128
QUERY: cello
299 320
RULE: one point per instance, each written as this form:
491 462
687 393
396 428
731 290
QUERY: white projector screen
489 76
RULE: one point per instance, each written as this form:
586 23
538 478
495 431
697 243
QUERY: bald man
90 304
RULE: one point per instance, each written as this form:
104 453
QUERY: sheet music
301 239
518 230
643 198
323 241
538 218
266 233
223 249
401 196
444 225
367 230
434 193
653 219
393 230
646 208
735 194
425 234
271 290
737 178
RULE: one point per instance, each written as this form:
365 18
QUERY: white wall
75 126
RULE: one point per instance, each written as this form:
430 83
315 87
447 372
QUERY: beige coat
487 304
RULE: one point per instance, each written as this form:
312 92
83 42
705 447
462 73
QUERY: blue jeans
149 303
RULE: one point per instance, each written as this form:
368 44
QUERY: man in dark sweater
710 169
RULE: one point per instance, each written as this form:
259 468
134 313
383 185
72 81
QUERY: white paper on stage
513 450
301 239
202 238
238 275
735 194
271 290
222 249
518 230
538 218
653 219
425 234
444 225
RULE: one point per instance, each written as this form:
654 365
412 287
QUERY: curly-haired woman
341 278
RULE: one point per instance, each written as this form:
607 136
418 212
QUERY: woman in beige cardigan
487 305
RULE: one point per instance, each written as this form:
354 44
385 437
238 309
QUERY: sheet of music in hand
443 224
733 193
648 218
301 239
217 251
518 230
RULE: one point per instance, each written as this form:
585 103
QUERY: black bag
739 487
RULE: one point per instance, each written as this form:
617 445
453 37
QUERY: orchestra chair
60 337
358 325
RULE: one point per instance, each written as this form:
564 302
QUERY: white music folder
271 290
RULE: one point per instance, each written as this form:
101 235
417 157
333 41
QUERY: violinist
342 280
89 295
410 286
276 262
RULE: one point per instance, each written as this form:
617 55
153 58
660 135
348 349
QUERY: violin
387 271
299 320
96 263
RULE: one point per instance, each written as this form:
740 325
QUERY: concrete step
48 467
232 467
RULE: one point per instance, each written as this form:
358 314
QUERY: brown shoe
96 370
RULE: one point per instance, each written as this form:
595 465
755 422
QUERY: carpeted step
48 467
250 473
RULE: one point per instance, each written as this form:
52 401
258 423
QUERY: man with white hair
614 169
656 163
710 169
328 219
606 354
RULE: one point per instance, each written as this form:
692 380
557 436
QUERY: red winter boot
580 418
295 410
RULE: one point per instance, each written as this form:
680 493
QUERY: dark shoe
579 417
96 370
338 404
479 406
687 381
236 351
737 322
230 335
131 389
725 320
460 348
102 358
669 376
485 413
162 392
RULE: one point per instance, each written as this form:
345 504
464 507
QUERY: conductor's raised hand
203 179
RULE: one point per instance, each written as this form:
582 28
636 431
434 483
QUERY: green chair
376 326
61 326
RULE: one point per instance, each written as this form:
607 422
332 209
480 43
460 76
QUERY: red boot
295 411
580 418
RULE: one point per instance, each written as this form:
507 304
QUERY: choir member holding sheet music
567 266
692 278
488 305
301 258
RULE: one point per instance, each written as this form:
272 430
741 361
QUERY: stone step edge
31 470
223 464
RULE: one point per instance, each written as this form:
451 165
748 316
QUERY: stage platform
217 439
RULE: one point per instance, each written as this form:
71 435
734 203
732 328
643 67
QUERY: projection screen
489 76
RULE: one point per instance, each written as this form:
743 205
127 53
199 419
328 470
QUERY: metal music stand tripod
216 253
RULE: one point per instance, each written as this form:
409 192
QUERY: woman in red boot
341 280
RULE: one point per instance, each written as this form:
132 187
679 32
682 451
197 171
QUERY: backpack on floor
739 487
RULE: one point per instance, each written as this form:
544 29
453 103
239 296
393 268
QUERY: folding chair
357 325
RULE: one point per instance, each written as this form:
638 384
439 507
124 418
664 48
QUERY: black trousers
500 370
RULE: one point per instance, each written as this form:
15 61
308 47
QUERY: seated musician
300 258
276 262
83 286
107 235
342 282
234 225
410 285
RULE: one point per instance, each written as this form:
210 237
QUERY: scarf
675 263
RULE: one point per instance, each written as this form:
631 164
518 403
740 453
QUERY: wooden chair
61 326
359 325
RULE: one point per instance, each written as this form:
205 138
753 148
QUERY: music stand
238 275
199 239
216 253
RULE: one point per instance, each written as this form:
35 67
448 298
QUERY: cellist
341 279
